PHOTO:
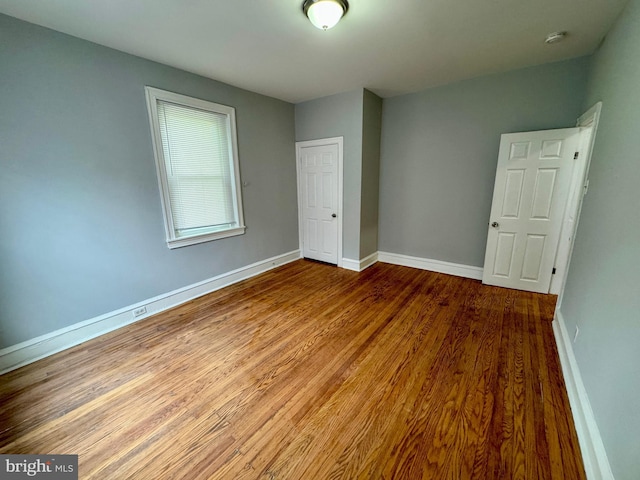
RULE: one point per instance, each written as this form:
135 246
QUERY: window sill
186 241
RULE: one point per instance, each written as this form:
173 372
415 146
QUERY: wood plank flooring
311 372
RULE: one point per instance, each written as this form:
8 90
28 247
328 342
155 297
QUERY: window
197 162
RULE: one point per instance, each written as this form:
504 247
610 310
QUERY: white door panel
529 198
318 167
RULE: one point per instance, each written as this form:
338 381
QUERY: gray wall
371 132
602 295
339 116
440 150
82 227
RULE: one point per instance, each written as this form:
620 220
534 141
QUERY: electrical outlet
139 311
575 335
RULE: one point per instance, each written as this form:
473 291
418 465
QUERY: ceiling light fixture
555 37
325 14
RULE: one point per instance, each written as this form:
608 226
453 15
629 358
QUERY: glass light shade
325 14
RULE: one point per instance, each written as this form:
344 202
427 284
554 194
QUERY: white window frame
173 241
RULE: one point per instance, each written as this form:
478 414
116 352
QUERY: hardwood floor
311 372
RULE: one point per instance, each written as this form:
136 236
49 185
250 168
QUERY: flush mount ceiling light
555 37
325 14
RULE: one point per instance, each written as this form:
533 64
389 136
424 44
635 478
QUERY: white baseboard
594 456
439 266
29 351
360 265
350 264
366 262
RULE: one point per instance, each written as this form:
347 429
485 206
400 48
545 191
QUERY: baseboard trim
21 354
350 264
594 455
367 261
439 266
360 265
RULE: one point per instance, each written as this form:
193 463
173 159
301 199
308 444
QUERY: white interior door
318 167
529 199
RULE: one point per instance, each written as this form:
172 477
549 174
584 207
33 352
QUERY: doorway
319 169
588 124
539 186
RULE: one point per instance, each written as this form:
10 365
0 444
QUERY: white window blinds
197 160
197 167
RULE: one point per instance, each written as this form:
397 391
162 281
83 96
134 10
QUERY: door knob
333 215
495 224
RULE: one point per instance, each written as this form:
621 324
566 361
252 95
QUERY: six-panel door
319 195
529 200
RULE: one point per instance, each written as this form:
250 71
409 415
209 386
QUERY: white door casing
320 199
529 198
588 123
576 191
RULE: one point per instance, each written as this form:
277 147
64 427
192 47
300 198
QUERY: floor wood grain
311 372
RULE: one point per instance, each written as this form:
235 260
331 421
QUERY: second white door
318 177
529 199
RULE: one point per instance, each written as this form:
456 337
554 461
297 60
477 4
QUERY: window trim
153 95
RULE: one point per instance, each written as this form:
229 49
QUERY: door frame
579 184
339 141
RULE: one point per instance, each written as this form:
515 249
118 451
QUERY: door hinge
553 272
576 155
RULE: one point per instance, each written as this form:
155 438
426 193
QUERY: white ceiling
388 46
